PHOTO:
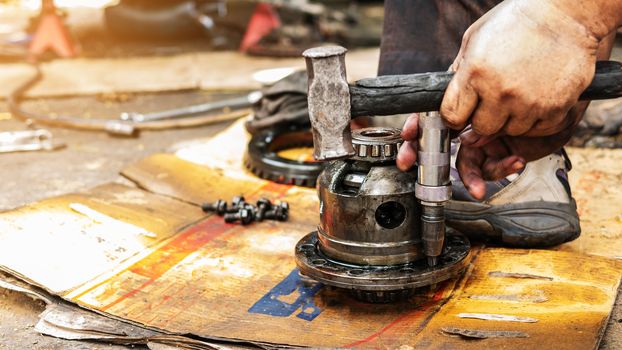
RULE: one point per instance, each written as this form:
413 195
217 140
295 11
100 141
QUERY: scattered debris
517 275
497 317
246 213
483 334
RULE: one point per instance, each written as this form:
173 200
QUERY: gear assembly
382 232
374 236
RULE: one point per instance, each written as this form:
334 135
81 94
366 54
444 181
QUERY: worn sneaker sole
524 225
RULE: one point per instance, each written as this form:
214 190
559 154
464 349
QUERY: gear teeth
263 161
382 297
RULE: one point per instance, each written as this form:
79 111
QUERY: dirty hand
501 157
482 159
523 65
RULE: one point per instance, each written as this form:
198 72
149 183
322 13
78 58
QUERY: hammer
333 102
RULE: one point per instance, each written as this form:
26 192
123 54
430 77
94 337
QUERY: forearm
600 17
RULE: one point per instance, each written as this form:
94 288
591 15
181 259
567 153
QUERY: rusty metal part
246 213
370 235
381 283
244 216
484 333
329 103
184 112
219 207
263 160
369 214
263 205
278 213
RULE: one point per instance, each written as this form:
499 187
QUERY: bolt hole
356 272
307 247
318 262
390 215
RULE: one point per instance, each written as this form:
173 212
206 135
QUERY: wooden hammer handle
399 94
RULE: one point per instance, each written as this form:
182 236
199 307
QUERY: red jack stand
262 22
51 34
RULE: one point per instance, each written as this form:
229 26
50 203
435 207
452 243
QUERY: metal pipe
183 112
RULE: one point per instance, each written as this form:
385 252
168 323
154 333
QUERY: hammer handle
399 94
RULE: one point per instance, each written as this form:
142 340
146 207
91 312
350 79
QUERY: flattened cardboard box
151 257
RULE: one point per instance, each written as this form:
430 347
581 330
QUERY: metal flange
382 283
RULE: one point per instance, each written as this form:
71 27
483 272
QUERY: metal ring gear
262 157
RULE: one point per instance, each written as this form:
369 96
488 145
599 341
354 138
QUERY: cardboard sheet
59 248
223 281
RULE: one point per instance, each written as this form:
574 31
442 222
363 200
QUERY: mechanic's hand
489 158
475 164
501 157
520 69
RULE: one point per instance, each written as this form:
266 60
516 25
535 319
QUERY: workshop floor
90 159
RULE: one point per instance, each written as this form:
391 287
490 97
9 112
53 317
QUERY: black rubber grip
399 94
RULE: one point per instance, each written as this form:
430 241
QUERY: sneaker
531 209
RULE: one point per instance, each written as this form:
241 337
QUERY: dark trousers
425 35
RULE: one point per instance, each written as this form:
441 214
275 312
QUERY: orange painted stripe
128 295
154 265
275 188
187 242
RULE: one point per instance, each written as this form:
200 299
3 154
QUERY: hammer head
329 103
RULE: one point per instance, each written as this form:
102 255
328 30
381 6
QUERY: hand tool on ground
332 104
112 126
184 112
28 140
